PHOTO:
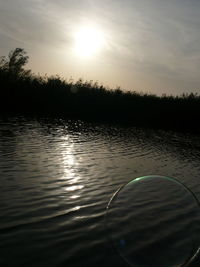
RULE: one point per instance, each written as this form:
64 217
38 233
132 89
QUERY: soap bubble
154 221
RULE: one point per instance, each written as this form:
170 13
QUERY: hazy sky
146 45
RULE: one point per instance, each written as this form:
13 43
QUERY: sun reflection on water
71 168
74 187
74 196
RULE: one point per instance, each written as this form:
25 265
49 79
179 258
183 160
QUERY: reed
23 92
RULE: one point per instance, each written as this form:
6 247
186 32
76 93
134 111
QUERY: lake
57 177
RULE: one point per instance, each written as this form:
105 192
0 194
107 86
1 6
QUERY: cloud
150 37
30 22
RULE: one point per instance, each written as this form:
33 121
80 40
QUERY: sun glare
88 41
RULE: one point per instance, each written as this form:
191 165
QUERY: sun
88 41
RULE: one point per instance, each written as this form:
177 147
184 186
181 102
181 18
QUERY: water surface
56 178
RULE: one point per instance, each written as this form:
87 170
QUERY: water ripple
58 176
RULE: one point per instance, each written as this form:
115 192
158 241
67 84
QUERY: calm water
57 177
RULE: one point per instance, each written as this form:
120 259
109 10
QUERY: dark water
57 177
154 221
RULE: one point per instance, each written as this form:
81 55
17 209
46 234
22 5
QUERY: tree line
25 93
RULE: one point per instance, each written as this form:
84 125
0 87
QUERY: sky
148 45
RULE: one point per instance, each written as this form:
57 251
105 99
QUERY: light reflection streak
76 208
74 196
70 165
74 187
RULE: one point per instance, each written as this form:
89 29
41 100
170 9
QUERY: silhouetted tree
22 92
15 62
3 63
